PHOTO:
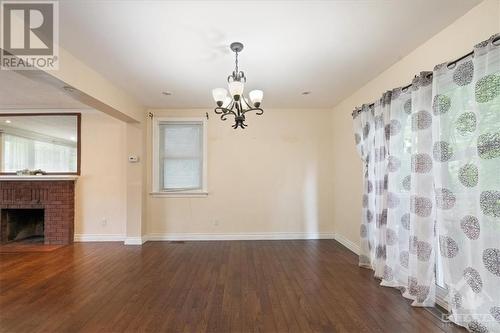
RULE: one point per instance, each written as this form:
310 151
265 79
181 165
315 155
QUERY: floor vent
439 312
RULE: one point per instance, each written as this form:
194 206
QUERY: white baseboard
109 238
236 236
99 238
135 240
347 243
215 237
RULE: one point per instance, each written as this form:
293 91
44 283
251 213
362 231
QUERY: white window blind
180 155
24 153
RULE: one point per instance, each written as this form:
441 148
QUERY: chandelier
236 104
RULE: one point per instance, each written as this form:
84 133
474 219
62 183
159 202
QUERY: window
179 161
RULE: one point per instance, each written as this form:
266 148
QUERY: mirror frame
78 136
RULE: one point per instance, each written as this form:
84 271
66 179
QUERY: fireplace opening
25 225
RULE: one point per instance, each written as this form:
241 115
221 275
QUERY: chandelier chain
236 63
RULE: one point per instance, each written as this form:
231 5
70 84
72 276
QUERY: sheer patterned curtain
421 276
431 158
399 179
363 137
466 141
378 173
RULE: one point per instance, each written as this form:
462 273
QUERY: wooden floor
237 286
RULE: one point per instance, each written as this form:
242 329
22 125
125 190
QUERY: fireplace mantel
37 178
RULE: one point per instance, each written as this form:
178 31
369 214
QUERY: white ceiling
328 47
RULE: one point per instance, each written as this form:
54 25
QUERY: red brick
56 197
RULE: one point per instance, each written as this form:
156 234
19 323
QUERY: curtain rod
451 63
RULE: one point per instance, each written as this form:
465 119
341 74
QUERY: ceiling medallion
236 104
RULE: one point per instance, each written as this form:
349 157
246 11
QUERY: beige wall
454 41
101 188
92 89
270 180
136 173
290 173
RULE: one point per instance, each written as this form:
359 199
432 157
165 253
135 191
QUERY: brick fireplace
54 196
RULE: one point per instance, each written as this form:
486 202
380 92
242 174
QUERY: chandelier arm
229 112
222 110
259 111
231 105
219 110
246 103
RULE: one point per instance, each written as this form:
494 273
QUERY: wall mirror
46 143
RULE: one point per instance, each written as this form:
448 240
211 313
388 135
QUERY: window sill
178 194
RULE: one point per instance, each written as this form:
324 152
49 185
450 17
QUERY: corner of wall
476 25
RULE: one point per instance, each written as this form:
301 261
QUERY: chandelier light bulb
256 97
219 94
236 89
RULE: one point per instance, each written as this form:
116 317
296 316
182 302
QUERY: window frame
155 181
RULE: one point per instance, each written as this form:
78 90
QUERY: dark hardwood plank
237 286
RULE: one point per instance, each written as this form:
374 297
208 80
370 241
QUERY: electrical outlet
216 223
104 222
133 158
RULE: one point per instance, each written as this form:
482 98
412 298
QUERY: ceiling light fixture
8 121
236 103
69 89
